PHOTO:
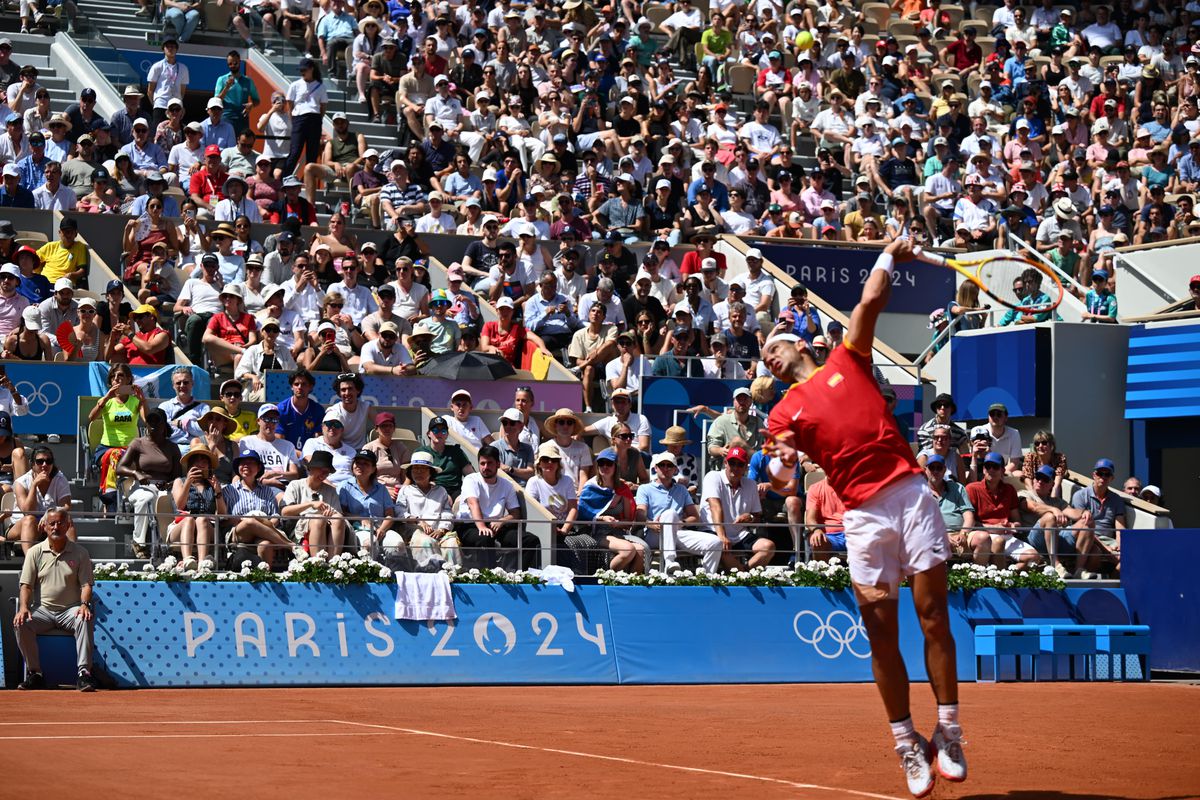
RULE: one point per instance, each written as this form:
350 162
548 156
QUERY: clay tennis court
1054 741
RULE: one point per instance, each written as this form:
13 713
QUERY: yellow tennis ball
804 41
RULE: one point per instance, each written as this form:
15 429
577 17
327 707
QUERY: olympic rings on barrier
849 636
40 399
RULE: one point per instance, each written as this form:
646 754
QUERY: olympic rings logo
39 399
847 635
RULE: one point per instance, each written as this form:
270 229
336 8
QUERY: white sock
903 732
948 716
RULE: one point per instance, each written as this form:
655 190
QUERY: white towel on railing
424 596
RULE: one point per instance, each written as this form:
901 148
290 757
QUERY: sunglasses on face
1103 473
43 461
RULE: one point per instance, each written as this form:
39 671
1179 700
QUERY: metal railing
944 335
792 544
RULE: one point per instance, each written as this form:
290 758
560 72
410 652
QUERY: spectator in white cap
341 157
367 185
623 214
516 456
215 129
12 303
384 354
331 440
665 506
228 334
622 412
281 460
444 108
267 354
462 422
57 310
27 342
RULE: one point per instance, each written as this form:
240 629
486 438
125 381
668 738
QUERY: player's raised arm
876 292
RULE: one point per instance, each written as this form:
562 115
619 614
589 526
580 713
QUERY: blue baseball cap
112 285
607 454
1046 471
994 458
935 459
1105 463
1101 274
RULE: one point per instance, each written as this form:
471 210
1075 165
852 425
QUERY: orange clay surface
1025 741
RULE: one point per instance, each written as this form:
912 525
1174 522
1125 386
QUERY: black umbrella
468 367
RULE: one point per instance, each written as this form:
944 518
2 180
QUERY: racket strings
1006 281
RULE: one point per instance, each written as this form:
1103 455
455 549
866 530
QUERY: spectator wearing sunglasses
1104 517
1050 521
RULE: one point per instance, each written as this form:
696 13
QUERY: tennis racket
997 276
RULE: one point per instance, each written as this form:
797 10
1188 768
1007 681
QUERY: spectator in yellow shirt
68 257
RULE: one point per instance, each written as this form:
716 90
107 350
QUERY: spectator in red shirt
997 507
434 64
207 182
693 261
292 204
231 331
148 343
963 54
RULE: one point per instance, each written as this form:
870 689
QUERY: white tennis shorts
898 532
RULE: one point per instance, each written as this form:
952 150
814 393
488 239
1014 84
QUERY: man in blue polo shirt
1104 515
665 506
299 415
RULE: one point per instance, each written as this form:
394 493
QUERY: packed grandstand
519 192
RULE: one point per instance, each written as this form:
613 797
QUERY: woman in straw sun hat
197 494
563 428
425 508
674 440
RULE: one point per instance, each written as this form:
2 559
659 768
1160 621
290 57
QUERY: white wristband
780 470
885 262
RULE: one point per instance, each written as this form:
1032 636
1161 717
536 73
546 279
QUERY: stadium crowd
557 136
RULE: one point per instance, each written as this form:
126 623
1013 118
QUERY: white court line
622 760
195 736
176 722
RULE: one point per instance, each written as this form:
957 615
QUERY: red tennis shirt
838 417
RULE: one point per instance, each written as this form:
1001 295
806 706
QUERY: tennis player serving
836 414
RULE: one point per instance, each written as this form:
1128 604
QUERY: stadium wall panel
209 634
1158 574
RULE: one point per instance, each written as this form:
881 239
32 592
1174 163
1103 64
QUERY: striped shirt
240 500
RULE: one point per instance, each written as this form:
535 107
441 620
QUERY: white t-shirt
408 302
472 431
636 422
204 297
167 80
1007 445
58 493
276 136
575 457
276 455
306 97
554 498
372 353
494 499
734 503
633 378
353 422
343 457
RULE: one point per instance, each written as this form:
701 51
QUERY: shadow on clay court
1050 794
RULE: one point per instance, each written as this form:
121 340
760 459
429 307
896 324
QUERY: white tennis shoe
917 769
951 763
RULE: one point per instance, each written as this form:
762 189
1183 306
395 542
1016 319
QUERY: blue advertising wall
52 390
1008 366
208 634
837 274
1158 574
381 390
